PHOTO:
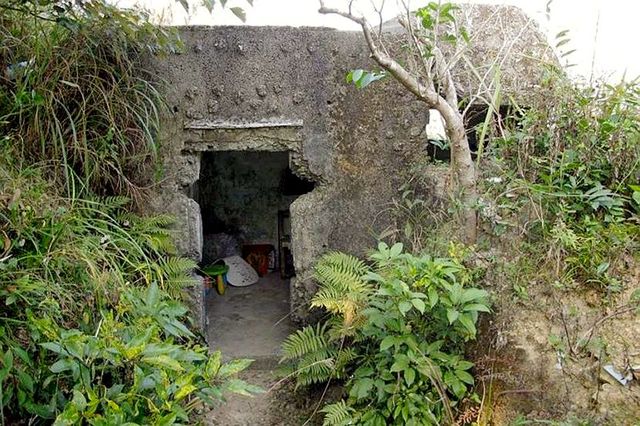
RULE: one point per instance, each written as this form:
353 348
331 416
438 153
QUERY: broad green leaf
468 323
476 307
386 343
361 388
241 387
464 376
164 361
234 367
404 307
208 4
464 365
409 376
396 249
433 296
184 391
79 401
472 294
401 363
452 315
61 365
54 347
239 12
153 295
419 305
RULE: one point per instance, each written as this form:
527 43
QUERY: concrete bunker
268 89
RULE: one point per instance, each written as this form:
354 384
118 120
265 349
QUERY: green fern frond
343 289
337 414
344 262
309 355
162 221
174 267
305 341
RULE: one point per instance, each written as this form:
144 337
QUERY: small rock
194 114
416 131
213 106
261 90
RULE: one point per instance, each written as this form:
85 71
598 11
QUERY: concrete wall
274 88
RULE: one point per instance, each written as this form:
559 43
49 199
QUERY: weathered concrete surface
265 88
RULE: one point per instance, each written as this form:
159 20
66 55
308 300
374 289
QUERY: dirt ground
252 322
543 358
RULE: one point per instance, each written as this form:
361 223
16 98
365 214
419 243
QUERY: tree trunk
463 170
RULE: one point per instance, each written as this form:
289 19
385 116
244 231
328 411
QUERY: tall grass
74 93
92 326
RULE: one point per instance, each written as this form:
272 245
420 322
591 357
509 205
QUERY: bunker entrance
244 199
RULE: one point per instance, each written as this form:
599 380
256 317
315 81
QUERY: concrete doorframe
254 136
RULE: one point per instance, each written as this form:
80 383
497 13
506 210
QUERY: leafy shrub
91 325
568 169
395 334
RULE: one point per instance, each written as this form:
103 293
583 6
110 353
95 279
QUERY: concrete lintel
240 125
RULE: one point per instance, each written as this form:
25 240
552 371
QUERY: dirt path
251 322
279 407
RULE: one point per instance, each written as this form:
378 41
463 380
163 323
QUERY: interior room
244 198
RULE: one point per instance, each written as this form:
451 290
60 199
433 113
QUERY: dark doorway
244 199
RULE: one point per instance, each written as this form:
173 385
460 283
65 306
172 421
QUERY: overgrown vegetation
394 334
93 329
571 164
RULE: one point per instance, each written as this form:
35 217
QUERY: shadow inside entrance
250 322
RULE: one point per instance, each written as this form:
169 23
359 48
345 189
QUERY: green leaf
404 307
152 297
234 367
163 361
396 249
464 365
387 342
452 315
184 4
468 323
464 376
184 391
433 296
409 376
472 294
79 401
239 12
419 305
7 360
361 388
61 365
208 4
476 307
54 347
400 364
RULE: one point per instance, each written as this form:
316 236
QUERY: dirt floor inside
252 321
